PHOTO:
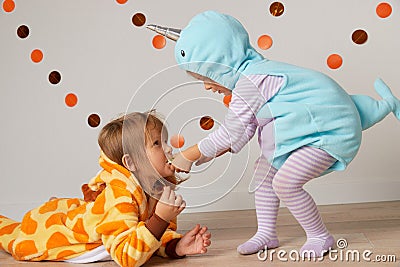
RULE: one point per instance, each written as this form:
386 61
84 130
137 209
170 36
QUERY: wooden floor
366 227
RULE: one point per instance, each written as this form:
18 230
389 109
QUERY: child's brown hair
129 134
111 138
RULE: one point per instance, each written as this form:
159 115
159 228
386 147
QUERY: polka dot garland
264 42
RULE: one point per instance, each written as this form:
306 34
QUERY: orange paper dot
36 55
383 10
159 41
122 1
334 61
71 100
227 99
264 42
177 141
8 6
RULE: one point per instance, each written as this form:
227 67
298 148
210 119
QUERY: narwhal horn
170 33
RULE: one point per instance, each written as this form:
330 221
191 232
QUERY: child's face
211 85
157 151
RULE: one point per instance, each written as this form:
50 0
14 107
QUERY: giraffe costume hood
63 229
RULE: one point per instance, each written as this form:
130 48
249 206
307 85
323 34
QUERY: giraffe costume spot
63 229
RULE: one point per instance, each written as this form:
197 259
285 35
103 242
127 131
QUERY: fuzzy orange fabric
62 229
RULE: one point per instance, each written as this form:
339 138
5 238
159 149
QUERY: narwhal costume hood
216 46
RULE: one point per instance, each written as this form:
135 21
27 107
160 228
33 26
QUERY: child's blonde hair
129 134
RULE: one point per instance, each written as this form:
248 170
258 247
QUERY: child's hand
193 242
169 205
183 161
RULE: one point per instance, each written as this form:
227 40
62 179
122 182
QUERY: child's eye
156 143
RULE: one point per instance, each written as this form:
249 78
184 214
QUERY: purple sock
316 247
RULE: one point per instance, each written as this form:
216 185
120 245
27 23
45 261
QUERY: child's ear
128 163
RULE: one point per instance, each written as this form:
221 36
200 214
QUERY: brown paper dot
23 31
206 123
94 120
359 36
276 9
54 77
139 19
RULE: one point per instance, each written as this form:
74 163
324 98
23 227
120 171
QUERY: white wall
48 149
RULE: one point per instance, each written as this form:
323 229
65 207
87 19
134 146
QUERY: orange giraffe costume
63 229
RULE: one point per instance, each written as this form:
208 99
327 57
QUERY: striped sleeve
239 126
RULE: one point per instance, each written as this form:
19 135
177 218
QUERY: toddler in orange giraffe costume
130 206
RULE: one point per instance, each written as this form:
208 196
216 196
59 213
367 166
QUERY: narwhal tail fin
384 91
373 111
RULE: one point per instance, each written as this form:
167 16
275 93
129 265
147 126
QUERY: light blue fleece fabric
310 108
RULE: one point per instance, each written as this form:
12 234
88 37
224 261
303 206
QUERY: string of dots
334 61
54 77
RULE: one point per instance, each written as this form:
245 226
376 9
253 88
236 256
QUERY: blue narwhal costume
310 109
306 119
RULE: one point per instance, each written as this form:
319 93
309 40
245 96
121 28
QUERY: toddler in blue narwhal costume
307 124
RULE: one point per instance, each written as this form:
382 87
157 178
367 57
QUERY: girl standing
307 124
